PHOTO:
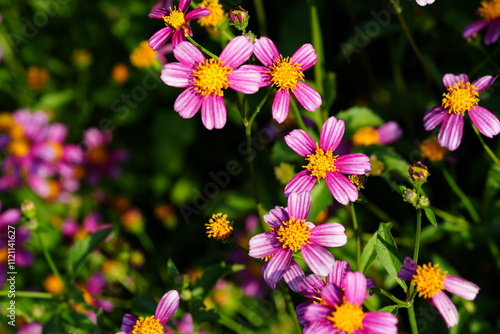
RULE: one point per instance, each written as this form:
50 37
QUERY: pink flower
166 308
461 97
290 233
286 74
430 283
341 310
424 2
176 21
490 19
322 164
383 135
206 79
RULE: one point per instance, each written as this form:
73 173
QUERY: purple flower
461 97
206 79
166 308
176 21
490 19
340 310
430 283
383 135
322 164
8 217
290 233
286 74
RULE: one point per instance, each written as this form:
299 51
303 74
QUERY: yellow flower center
175 19
219 227
4 254
293 233
365 136
489 10
285 74
460 97
431 149
210 77
53 285
143 55
19 147
347 317
321 162
216 13
429 280
149 325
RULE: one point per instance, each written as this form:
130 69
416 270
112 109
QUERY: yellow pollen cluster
428 280
321 162
175 19
19 147
149 325
143 55
216 14
210 77
293 233
219 227
285 74
489 10
431 149
347 317
365 136
460 97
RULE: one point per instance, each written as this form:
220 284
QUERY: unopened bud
239 18
418 172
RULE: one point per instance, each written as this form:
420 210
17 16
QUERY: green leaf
54 100
391 309
368 255
84 247
388 253
430 215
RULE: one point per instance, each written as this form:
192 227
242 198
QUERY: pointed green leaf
84 247
368 255
388 253
430 215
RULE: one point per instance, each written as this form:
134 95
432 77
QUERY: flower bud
418 172
423 202
239 18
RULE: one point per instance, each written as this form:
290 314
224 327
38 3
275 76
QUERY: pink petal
483 83
305 56
184 5
237 51
318 312
461 287
263 244
265 78
299 141
299 205
160 38
337 274
245 80
341 188
281 104
328 235
188 54
318 259
332 294
450 79
188 103
331 134
485 121
492 32
128 323
178 37
408 269
355 287
473 28
276 216
307 96
265 51
9 217
380 323
293 276
353 163
274 269
196 14
446 308
311 284
167 306
435 116
177 75
300 182
389 132
213 112
450 133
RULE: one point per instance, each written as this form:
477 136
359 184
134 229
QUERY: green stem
463 197
412 319
317 41
486 147
390 296
357 233
417 235
205 51
49 259
291 309
261 16
29 294
298 116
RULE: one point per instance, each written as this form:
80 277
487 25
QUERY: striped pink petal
276 216
341 188
461 287
307 96
353 163
305 56
245 80
337 274
188 103
380 323
266 51
293 276
213 112
473 28
492 32
281 105
237 51
274 269
196 14
434 116
188 54
450 133
177 75
483 83
299 205
299 141
167 306
355 287
160 38
485 121
328 235
446 308
450 79
331 134
263 244
303 181
318 259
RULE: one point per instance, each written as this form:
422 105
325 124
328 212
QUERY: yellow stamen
489 10
210 77
216 14
431 149
321 162
143 55
293 233
460 97
19 147
53 285
175 19
149 325
219 227
428 280
285 74
365 136
347 317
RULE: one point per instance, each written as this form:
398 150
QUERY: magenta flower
206 79
290 233
176 21
8 217
286 74
322 164
490 19
383 135
461 97
430 283
340 310
166 308
424 2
